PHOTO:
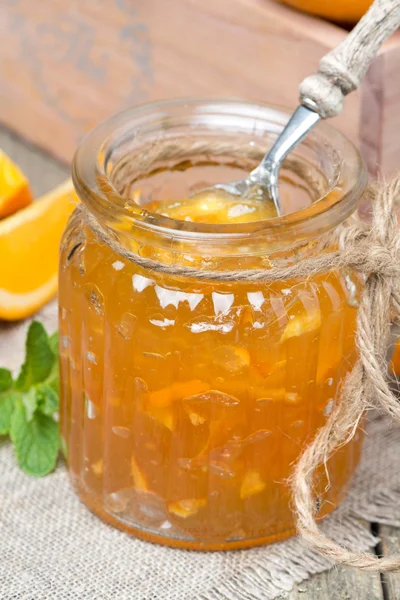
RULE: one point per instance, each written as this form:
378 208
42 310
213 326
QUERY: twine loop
374 251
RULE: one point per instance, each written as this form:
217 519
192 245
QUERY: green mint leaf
6 379
8 399
30 402
54 382
47 399
53 341
36 442
39 358
54 378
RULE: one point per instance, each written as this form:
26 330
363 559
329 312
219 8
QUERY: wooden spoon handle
341 70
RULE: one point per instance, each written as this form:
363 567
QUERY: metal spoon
262 182
340 72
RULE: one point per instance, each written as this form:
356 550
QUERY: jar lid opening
121 152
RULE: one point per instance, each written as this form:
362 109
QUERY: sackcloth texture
53 548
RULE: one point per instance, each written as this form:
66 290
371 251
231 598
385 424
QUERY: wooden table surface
340 583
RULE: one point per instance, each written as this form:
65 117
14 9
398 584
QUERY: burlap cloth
53 548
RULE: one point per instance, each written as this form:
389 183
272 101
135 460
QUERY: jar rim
104 201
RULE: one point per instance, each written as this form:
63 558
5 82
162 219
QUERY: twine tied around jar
373 251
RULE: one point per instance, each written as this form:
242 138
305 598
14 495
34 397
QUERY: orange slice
14 187
29 242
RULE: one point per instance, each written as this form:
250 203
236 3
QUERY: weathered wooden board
390 537
340 583
66 65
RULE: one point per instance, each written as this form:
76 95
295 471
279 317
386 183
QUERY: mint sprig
29 405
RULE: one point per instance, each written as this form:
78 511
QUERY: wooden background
65 65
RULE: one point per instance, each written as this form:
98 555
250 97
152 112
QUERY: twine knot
371 258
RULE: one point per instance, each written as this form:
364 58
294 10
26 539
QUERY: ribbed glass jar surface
185 402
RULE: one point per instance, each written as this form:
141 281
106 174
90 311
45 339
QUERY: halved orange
14 187
29 242
343 11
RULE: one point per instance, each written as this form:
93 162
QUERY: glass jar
186 402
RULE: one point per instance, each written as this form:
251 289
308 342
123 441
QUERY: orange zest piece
29 243
165 416
186 508
177 391
303 324
280 394
97 467
232 358
252 484
139 480
195 418
14 187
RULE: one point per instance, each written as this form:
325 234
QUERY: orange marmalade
185 402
